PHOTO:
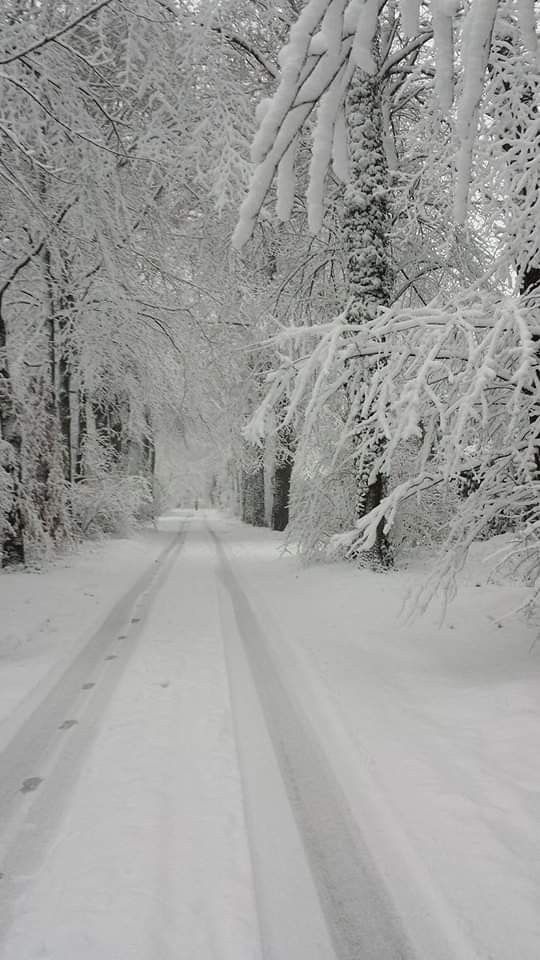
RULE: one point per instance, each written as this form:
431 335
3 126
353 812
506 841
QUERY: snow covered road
187 790
40 759
359 916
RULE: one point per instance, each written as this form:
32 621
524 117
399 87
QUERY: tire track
41 763
361 920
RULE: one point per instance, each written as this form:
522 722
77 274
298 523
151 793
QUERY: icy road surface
187 791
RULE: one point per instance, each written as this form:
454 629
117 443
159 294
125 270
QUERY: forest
283 258
269 480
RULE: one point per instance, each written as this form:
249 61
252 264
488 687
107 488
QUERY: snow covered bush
424 518
322 495
109 505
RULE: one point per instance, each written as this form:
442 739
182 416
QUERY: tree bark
64 382
50 466
366 226
281 482
47 465
281 493
12 537
64 413
149 447
82 432
253 496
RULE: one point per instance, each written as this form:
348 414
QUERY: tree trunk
366 229
12 531
253 496
149 447
64 413
111 419
50 469
281 482
82 432
64 384
281 493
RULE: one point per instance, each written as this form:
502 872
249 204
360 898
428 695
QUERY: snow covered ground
46 617
434 733
223 755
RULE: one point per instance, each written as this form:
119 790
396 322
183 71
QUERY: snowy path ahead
187 790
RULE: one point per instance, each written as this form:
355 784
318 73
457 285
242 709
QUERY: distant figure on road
196 504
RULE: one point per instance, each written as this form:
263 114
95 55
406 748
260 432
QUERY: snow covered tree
93 131
451 363
369 271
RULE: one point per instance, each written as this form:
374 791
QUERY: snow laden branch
54 35
327 43
455 382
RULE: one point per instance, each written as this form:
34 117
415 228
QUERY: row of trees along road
377 330
432 361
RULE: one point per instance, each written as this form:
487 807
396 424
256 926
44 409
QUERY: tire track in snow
47 752
360 917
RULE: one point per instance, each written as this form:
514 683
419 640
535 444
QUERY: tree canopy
281 256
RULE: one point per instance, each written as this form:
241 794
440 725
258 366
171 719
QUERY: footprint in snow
30 784
67 724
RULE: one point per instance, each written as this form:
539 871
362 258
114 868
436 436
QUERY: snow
323 134
318 44
303 80
444 53
311 65
47 616
291 60
528 24
290 918
410 16
261 726
262 108
340 148
324 137
478 29
151 859
286 182
361 53
442 724
350 17
263 175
